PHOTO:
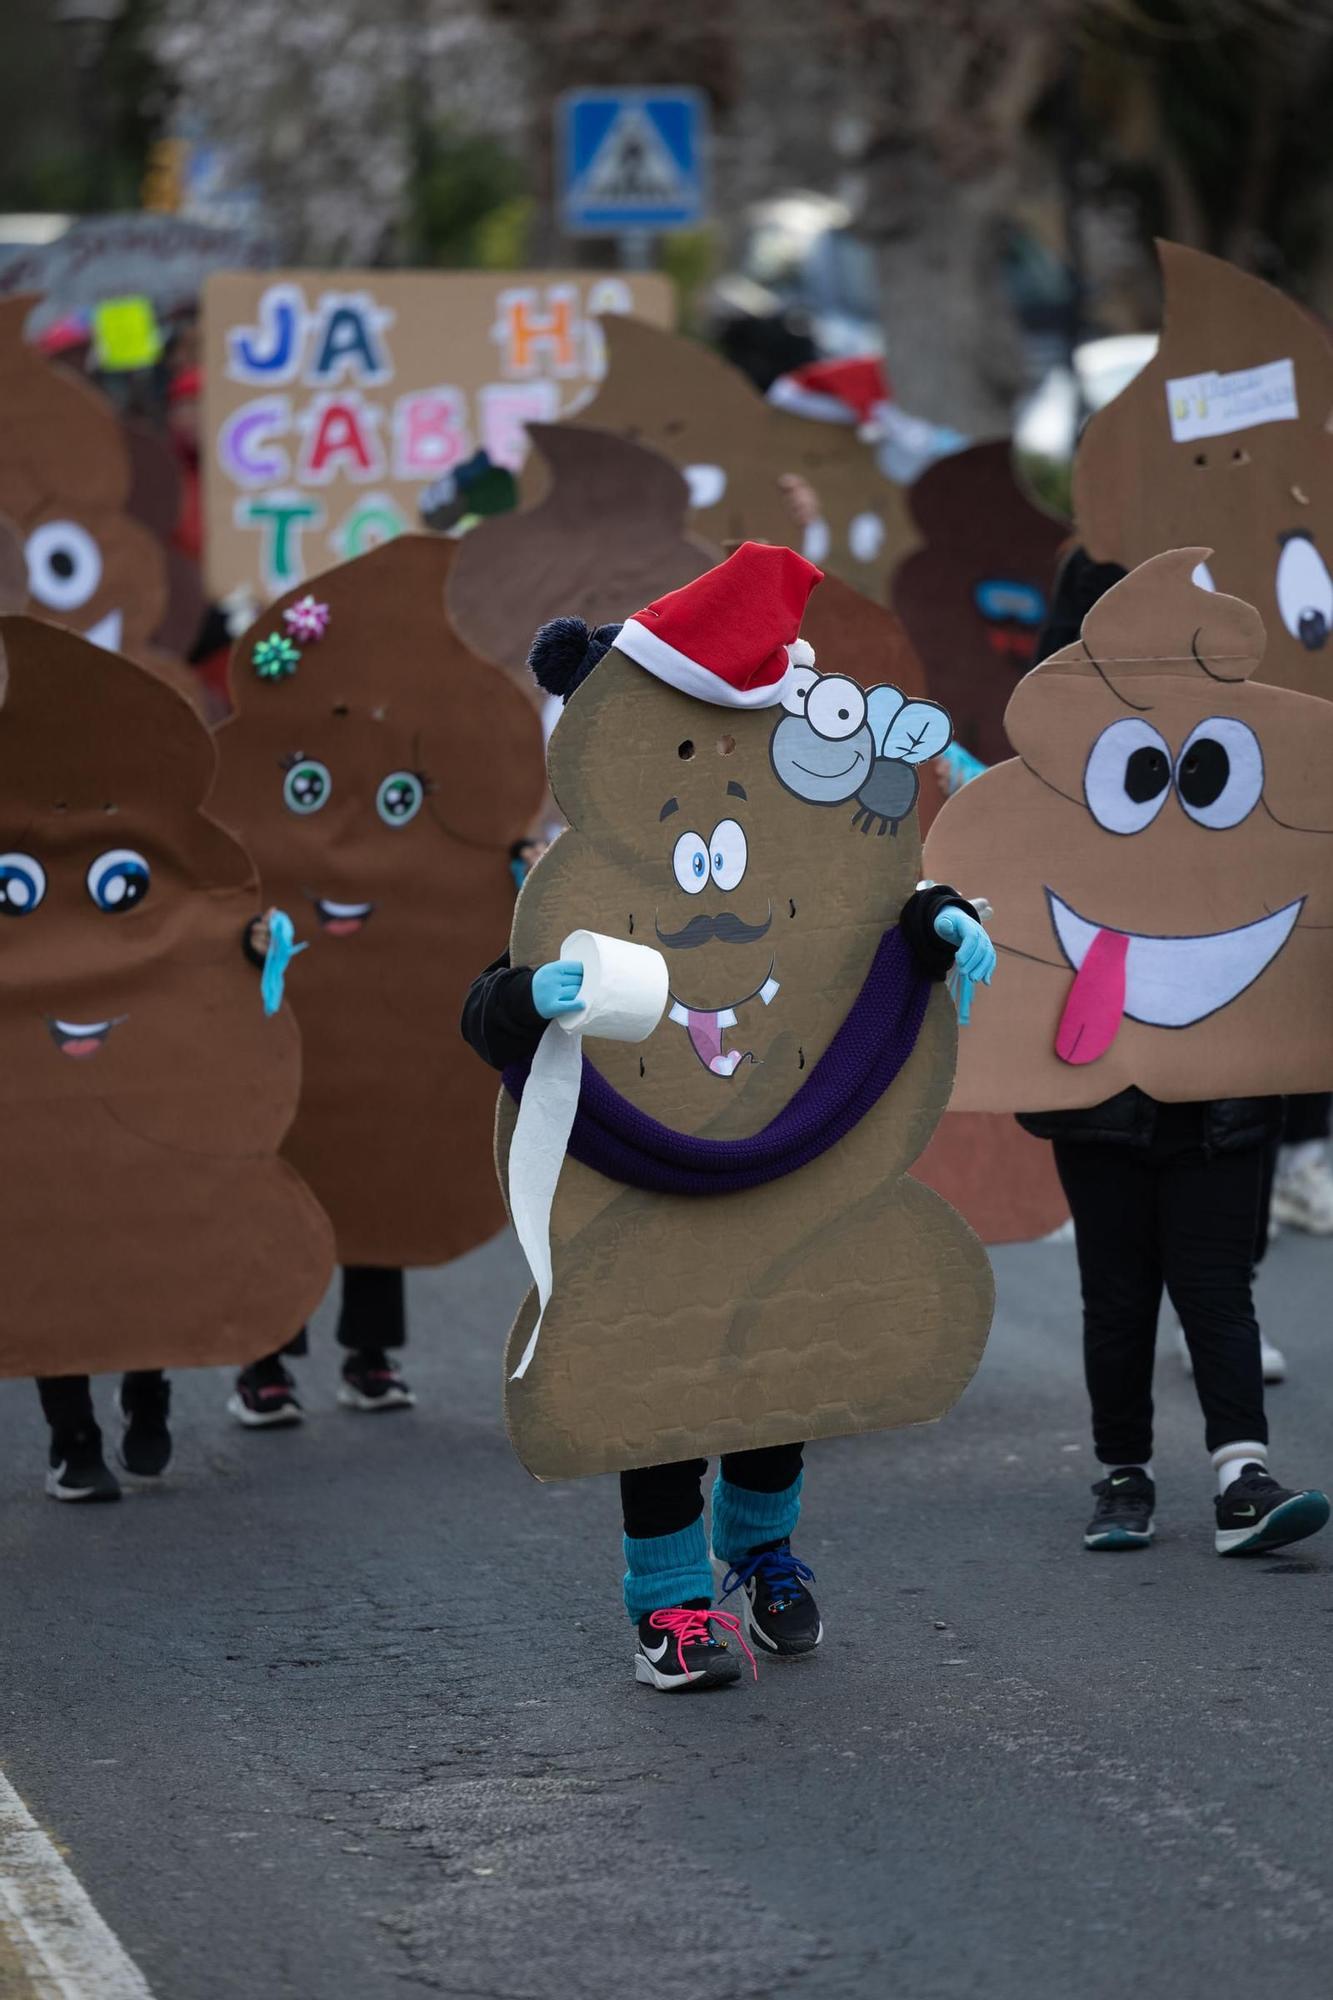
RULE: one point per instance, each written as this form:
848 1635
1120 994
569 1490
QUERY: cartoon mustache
726 927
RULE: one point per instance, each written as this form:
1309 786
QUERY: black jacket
1131 1118
502 1025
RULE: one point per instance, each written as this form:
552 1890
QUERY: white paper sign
1211 405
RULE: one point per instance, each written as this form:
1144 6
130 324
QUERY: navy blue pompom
565 651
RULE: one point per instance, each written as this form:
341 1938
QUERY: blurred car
1048 422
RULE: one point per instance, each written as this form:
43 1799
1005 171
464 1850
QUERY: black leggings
374 1310
67 1400
662 1499
1188 1220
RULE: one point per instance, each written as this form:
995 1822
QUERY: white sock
1145 1469
1230 1459
1309 1153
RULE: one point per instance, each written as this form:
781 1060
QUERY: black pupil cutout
307 785
399 798
62 562
1204 770
1147 774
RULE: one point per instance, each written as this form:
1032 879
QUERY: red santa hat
837 392
729 637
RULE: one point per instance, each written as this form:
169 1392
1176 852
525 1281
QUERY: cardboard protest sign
332 399
1224 440
1159 862
974 596
149 1222
734 449
380 772
840 1296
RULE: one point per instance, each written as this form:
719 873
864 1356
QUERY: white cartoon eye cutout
1127 776
1220 772
1202 576
835 707
399 798
690 863
22 884
307 786
816 541
799 683
64 565
118 879
865 536
918 730
728 853
707 484
1304 592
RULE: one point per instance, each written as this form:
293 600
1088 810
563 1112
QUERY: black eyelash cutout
426 782
291 760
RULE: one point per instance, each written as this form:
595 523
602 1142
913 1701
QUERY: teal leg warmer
743 1520
666 1569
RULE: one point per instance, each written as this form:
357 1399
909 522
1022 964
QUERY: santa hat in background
838 392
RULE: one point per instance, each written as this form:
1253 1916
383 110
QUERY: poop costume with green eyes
379 772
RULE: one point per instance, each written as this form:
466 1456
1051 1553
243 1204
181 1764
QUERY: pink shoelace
688 1625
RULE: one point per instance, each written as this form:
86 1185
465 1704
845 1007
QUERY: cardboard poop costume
149 1222
1224 439
380 773
738 1258
1160 863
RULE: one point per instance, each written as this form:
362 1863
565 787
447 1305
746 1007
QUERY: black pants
67 1400
663 1499
1306 1118
374 1310
1172 1215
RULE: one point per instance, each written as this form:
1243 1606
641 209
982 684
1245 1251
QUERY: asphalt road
347 1712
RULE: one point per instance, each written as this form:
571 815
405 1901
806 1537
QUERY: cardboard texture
1159 862
840 1298
1243 464
149 1221
155 499
1001 1180
380 783
678 396
974 597
332 399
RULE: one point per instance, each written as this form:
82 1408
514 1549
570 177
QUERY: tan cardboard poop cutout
1159 859
380 773
143 1095
975 596
1224 439
842 1297
734 448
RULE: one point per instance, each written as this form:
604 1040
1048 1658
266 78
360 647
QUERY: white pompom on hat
732 636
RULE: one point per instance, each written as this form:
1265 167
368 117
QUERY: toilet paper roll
624 995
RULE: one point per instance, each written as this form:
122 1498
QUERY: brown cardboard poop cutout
149 1222
380 772
842 1297
734 448
974 598
1159 859
1224 439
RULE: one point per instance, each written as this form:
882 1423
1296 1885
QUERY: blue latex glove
974 954
556 987
282 949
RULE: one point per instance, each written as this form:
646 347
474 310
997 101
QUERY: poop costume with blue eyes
1160 858
380 772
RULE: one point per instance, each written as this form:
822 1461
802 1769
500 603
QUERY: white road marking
48 1922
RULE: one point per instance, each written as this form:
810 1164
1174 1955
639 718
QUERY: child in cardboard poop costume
1159 859
380 772
738 1259
148 1220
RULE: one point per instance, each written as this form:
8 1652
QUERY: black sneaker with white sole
777 1611
371 1382
678 1648
1122 1518
1256 1513
144 1402
77 1470
265 1395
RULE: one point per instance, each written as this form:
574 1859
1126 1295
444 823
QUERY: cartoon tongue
705 1033
1096 1004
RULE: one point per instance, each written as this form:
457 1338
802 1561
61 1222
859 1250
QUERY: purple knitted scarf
876 1038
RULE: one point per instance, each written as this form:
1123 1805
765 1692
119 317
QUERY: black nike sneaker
1122 1518
371 1382
677 1648
265 1395
776 1609
144 1401
1256 1513
77 1469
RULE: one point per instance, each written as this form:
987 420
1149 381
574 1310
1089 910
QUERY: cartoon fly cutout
836 742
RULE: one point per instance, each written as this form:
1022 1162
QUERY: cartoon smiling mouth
81 1039
341 919
1163 982
706 1030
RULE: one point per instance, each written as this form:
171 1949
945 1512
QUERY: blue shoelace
779 1574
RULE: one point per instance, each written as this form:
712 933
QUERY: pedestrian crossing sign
631 160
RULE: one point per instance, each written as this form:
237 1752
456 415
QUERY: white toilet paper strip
624 994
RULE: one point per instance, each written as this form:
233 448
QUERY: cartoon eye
816 541
707 484
865 536
1304 592
118 879
1127 777
307 786
1220 772
22 885
799 683
64 565
399 798
1203 576
728 851
835 707
689 860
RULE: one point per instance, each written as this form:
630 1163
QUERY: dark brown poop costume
380 786
841 1298
148 1221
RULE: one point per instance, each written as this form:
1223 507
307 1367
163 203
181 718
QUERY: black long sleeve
1079 584
932 953
499 1019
